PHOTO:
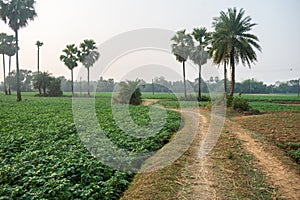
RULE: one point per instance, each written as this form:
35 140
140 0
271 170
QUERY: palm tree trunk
19 97
72 87
225 78
199 84
232 72
38 60
184 83
4 78
9 67
88 77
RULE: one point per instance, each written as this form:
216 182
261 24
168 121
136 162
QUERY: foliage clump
240 104
129 93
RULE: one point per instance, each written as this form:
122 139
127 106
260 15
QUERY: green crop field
271 97
42 157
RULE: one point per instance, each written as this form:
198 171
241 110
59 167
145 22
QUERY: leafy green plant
240 104
42 156
129 92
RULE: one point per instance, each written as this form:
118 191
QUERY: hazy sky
62 22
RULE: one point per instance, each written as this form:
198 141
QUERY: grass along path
286 180
237 168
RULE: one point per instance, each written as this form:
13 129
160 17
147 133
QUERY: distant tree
41 81
181 48
233 40
88 55
65 84
129 92
38 44
70 59
17 13
25 77
54 88
198 54
105 85
3 50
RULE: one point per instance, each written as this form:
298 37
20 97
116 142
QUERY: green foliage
69 57
54 89
232 41
269 106
294 151
129 92
42 156
295 154
240 104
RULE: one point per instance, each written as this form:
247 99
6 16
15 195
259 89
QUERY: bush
54 89
129 92
240 104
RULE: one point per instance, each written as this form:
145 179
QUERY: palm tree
11 51
233 40
88 56
218 52
38 44
198 55
181 48
17 13
3 49
70 59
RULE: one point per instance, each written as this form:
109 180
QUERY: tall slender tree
233 40
181 48
3 49
70 59
17 13
38 44
198 54
88 55
11 51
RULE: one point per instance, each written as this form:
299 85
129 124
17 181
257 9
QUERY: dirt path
287 181
197 179
198 171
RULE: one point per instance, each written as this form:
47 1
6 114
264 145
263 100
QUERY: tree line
54 86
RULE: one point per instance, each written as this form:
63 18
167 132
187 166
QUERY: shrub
129 92
240 104
54 89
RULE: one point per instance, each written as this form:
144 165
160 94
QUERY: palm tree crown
88 54
17 13
70 56
181 46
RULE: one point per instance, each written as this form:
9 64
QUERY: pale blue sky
61 22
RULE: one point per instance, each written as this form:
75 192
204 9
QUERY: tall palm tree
233 40
3 49
181 48
17 13
11 51
88 55
38 44
70 59
198 55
